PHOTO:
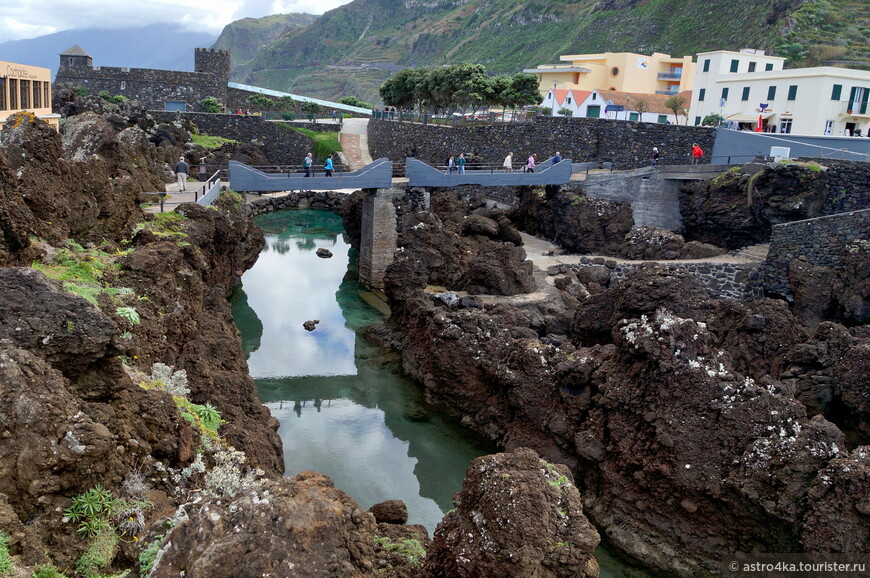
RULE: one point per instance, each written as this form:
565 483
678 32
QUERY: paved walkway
355 142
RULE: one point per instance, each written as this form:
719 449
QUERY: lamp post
554 98
627 105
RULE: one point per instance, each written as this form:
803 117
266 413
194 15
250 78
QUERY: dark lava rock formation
693 426
517 515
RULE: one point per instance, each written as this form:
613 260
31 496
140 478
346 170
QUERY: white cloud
31 18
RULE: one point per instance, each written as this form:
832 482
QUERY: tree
640 107
211 104
285 103
354 101
712 120
565 112
404 90
311 108
260 101
677 104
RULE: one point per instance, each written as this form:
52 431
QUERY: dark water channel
344 406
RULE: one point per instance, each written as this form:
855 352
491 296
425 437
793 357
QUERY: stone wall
150 86
819 241
329 200
284 146
741 282
849 182
626 144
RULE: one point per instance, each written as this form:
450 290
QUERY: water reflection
345 409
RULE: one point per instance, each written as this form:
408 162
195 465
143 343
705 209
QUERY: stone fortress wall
626 144
152 87
821 241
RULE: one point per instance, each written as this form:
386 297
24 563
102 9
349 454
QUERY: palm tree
677 103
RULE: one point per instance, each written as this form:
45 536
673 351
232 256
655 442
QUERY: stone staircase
754 252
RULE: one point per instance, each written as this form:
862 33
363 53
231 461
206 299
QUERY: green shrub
81 91
261 101
208 141
6 565
113 98
211 104
129 314
148 556
288 116
47 571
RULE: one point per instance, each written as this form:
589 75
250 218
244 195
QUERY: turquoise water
344 406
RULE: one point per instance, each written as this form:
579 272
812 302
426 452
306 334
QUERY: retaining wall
820 241
284 146
626 144
741 282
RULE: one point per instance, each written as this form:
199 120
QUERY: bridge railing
210 186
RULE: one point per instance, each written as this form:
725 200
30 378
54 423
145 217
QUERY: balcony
670 76
669 92
854 108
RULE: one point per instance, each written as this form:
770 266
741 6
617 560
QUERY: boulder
517 515
299 526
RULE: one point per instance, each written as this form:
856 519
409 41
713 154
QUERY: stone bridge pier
378 237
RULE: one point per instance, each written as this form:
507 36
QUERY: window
663 118
37 93
25 93
752 66
13 94
593 111
785 125
768 66
46 99
633 116
771 92
829 126
594 96
837 92
792 93
735 64
701 94
745 95
697 120
706 65
614 71
725 93
2 94
123 85
568 100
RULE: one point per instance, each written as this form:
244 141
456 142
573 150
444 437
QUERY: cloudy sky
30 18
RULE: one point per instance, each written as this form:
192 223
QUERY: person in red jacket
697 154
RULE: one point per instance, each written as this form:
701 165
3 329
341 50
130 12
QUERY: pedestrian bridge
377 175
422 175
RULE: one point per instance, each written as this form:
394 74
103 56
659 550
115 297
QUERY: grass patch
208 141
99 554
408 548
323 144
79 269
169 226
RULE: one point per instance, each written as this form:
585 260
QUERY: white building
632 106
747 85
561 99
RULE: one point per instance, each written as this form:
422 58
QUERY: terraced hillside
352 49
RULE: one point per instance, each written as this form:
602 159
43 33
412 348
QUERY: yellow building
25 88
620 71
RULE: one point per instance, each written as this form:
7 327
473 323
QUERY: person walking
327 167
697 154
181 171
654 159
451 165
306 164
530 164
557 158
508 163
460 163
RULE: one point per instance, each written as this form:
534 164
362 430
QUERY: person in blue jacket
328 166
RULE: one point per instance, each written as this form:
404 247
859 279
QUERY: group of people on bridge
457 164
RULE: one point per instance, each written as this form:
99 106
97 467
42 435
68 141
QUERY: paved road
355 142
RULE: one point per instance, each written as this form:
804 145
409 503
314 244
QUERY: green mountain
245 38
351 50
